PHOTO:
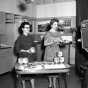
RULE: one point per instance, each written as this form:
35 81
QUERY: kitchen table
26 72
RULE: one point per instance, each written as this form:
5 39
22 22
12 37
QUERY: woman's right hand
32 49
27 51
58 41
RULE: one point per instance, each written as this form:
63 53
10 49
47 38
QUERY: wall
82 14
51 1
56 9
11 6
59 9
82 11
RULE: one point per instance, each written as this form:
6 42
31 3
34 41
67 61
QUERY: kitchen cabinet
7 59
9 24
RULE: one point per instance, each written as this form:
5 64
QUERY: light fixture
22 4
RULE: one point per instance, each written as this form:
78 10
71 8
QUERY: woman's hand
31 50
58 41
22 50
79 40
53 41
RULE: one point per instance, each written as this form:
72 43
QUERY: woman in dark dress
24 46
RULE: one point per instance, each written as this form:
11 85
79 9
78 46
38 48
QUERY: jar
61 59
56 60
23 60
59 53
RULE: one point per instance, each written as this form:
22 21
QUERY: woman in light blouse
51 43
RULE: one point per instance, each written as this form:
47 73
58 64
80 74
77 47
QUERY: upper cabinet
9 24
10 18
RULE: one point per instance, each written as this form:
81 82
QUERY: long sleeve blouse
24 43
51 42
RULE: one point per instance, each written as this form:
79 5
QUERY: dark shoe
50 87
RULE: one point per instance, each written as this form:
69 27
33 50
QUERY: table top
42 68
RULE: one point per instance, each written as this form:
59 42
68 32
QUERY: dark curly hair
20 31
51 23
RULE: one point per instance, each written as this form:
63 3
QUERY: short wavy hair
51 23
20 31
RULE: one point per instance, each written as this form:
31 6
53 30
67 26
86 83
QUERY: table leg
54 82
62 81
65 81
32 83
23 83
66 78
19 82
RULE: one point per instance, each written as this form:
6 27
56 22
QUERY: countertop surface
4 46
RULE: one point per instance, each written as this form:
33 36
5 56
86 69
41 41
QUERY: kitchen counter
3 46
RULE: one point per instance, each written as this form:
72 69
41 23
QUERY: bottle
56 58
61 58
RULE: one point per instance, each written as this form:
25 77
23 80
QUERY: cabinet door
11 33
7 60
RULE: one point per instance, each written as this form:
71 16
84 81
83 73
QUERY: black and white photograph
43 43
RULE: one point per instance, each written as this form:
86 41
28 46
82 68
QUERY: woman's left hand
32 49
58 41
